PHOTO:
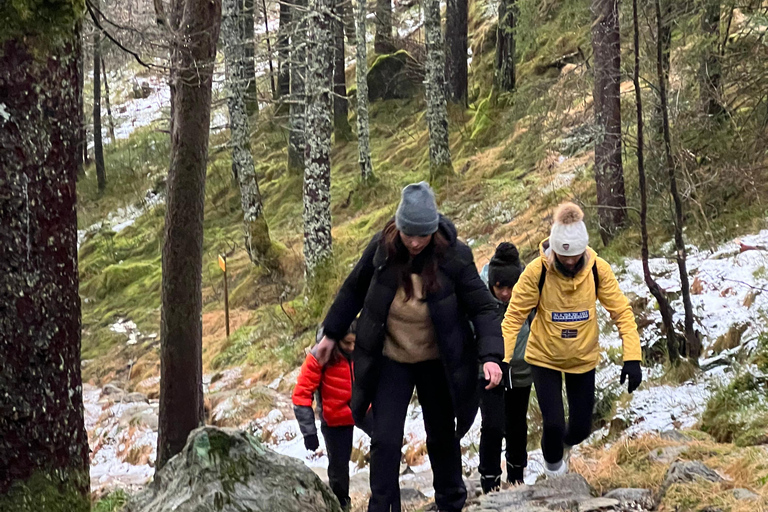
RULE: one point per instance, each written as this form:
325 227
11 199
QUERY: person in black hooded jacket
426 320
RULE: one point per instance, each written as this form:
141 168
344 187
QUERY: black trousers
505 415
338 442
390 405
580 388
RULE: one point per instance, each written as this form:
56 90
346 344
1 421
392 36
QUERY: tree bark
98 150
247 23
283 53
710 73
269 49
43 444
341 127
317 175
505 45
298 62
609 174
257 241
382 41
440 165
693 343
361 74
82 140
664 306
196 24
456 25
106 101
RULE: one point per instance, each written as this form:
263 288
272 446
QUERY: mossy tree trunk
505 45
98 150
43 442
382 40
661 298
110 120
298 106
341 126
456 24
283 51
257 241
693 342
440 165
248 54
317 176
609 173
710 72
196 24
361 75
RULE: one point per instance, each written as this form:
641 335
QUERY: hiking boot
490 483
552 470
515 474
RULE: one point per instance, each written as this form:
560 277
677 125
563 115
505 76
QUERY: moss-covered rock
226 470
392 76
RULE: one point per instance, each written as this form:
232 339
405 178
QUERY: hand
324 349
311 443
492 373
632 370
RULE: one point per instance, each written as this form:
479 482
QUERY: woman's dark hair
425 264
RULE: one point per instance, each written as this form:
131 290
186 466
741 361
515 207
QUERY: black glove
311 443
632 370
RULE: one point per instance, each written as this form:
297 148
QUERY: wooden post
223 265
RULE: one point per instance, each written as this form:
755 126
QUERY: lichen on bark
298 70
440 166
361 75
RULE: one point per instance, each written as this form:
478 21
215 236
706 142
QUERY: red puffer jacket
335 385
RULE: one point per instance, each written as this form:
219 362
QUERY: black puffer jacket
461 299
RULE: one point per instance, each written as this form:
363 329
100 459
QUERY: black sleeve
306 418
351 296
480 307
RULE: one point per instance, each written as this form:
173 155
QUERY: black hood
448 230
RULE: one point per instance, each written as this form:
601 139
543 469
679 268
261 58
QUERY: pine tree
317 175
44 452
341 127
257 241
609 174
456 25
505 45
196 24
440 165
361 74
298 106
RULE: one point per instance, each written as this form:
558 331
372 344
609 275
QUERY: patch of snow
127 327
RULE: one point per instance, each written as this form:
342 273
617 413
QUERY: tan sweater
410 336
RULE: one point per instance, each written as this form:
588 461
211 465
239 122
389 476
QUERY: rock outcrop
223 470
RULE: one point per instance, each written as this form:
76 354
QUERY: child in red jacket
333 382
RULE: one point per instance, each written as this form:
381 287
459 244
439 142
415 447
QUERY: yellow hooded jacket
564 333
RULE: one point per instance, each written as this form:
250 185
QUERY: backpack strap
543 277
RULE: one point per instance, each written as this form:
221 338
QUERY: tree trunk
43 444
269 49
247 23
106 101
382 41
693 348
505 45
317 176
341 127
283 54
298 60
257 241
440 165
98 150
665 39
456 51
609 175
82 150
196 24
710 73
361 74
650 282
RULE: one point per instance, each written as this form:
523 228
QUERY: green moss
49 491
42 23
112 502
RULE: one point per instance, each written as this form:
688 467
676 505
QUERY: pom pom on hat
569 236
504 268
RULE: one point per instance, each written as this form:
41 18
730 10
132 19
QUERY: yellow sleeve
525 297
617 304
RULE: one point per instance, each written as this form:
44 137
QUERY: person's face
348 343
503 293
569 262
415 244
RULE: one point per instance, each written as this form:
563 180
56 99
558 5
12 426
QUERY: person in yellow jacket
564 284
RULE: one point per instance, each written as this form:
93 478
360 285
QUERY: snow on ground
122 218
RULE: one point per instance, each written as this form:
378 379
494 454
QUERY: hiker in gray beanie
427 321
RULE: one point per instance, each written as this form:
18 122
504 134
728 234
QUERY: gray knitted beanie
417 214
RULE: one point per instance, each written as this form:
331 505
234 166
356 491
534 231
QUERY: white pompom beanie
569 235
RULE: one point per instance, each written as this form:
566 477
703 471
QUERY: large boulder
566 492
224 470
394 76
